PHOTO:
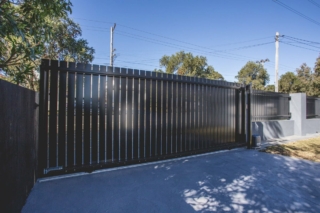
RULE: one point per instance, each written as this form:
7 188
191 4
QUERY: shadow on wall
268 130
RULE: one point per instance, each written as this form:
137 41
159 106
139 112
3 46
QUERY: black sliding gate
95 116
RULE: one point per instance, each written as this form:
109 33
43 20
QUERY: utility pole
112 55
277 61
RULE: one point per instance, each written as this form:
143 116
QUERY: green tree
253 73
315 84
212 74
304 72
65 44
186 64
24 27
305 76
35 29
316 68
289 83
270 88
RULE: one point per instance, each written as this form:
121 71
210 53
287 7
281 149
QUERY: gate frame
242 127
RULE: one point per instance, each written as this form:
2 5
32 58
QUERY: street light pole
277 61
261 62
112 55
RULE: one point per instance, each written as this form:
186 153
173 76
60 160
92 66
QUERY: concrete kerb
58 177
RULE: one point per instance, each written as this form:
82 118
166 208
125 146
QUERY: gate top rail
313 98
269 93
115 71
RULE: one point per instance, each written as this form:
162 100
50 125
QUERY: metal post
277 62
43 118
111 45
248 117
237 109
243 113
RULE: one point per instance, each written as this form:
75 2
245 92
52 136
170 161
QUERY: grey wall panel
273 129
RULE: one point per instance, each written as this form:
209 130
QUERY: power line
314 42
227 44
136 63
135 60
179 46
299 46
240 42
246 47
299 42
168 37
314 3
141 31
239 57
163 42
180 40
297 12
129 62
215 51
175 45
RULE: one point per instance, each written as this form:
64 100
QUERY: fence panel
313 107
93 118
270 106
18 145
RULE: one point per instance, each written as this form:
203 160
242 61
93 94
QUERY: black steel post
43 117
243 113
249 116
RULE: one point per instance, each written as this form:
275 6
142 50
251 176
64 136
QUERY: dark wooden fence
270 106
18 145
94 116
313 107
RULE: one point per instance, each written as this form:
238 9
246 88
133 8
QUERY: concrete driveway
236 181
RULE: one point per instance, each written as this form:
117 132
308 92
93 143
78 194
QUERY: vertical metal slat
62 116
94 116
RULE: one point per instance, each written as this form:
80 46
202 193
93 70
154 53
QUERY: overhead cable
299 46
314 42
297 12
314 3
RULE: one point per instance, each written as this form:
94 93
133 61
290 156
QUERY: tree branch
2 2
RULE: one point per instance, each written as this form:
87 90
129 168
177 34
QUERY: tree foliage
253 73
315 84
182 63
317 67
24 27
35 29
64 45
303 81
270 88
289 83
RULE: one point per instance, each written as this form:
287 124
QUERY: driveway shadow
235 181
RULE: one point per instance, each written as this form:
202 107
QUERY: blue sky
228 32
